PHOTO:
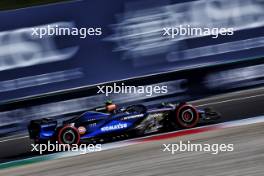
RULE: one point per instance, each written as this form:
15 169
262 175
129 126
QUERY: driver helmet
110 106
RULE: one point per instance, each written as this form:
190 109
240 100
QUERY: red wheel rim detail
71 127
196 116
187 116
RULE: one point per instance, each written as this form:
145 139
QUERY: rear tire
68 135
187 116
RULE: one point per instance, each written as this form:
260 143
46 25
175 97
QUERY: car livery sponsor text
114 127
132 117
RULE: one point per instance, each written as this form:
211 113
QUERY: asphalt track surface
147 159
232 106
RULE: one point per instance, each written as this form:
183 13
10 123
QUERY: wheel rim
187 116
68 137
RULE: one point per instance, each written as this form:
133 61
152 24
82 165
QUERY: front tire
187 116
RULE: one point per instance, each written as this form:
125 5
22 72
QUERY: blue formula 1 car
110 122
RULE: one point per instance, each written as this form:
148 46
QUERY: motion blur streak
210 50
37 80
139 30
236 78
131 44
18 49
